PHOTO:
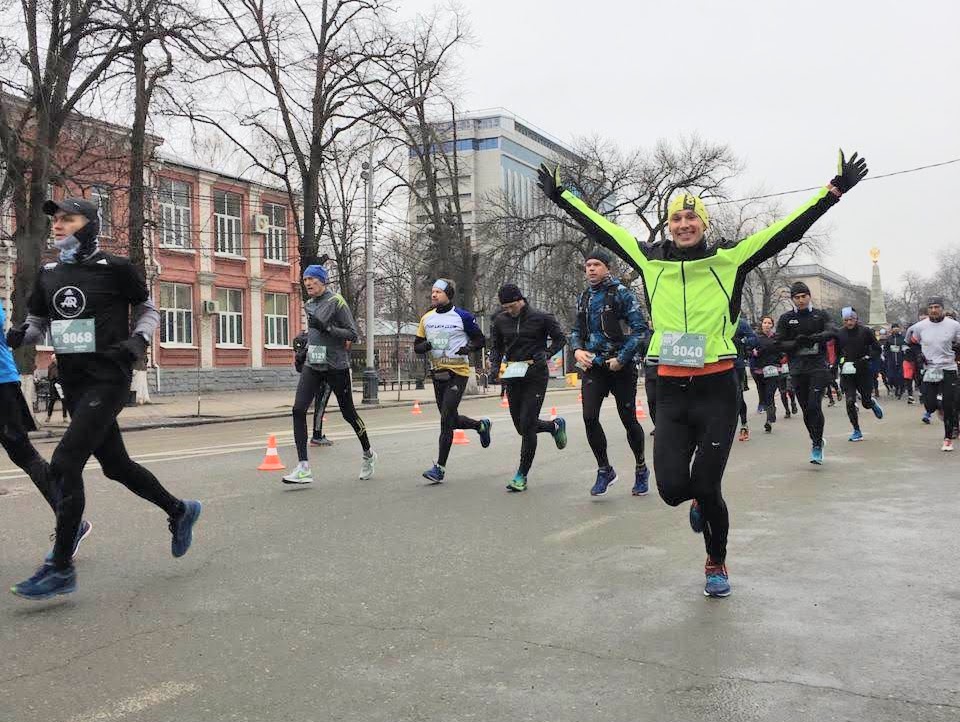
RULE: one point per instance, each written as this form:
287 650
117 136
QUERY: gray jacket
331 311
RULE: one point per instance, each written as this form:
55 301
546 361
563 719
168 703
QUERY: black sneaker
181 528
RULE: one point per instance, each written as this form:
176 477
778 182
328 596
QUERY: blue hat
848 312
316 271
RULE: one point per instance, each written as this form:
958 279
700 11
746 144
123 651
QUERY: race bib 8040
683 349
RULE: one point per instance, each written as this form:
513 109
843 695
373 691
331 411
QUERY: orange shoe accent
271 460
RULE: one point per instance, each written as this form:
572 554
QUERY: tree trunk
137 162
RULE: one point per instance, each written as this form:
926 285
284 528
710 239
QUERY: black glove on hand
549 182
16 335
849 172
134 348
464 351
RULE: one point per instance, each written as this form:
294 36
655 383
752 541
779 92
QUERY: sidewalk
166 411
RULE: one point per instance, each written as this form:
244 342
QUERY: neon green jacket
697 290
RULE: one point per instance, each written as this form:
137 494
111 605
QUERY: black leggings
809 389
319 409
853 384
526 399
946 389
93 430
697 421
650 388
787 394
768 394
597 383
52 398
311 382
14 429
742 383
448 392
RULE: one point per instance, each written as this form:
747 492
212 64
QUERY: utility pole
370 387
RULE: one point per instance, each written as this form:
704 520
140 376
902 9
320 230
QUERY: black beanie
799 287
509 292
599 254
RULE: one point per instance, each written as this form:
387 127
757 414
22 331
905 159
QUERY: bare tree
301 74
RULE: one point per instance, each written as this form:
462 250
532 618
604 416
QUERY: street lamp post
370 386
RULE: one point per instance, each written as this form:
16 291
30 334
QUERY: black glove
849 172
133 349
549 182
464 351
16 335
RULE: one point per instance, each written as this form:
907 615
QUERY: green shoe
517 483
560 432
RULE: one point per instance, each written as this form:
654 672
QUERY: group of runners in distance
695 352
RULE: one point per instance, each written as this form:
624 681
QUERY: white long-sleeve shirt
936 340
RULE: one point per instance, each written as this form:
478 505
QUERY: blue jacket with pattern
608 343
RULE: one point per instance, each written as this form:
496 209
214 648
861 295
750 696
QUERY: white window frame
275 242
229 319
102 194
276 326
175 217
177 316
228 228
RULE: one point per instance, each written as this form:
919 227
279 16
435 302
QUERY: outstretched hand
849 172
549 182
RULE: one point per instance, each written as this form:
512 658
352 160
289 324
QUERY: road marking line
166 692
567 534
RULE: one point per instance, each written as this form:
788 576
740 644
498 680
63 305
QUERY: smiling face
66 224
595 271
686 228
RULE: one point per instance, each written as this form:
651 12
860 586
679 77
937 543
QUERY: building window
230 317
174 213
101 196
275 244
228 230
276 319
176 313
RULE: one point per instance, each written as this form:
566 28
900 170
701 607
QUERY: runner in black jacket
523 339
766 354
803 333
855 346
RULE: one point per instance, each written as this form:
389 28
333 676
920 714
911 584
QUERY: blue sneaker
182 528
82 533
517 483
485 426
605 477
696 517
434 473
856 435
641 486
816 454
877 410
47 583
718 583
560 432
926 417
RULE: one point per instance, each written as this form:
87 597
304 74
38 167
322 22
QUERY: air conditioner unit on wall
210 308
261 223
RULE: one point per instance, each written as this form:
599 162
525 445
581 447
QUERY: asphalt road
394 601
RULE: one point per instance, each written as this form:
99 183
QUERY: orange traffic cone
553 413
641 414
271 461
580 397
504 403
416 408
460 437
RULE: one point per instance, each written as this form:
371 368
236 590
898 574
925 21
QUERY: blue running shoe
605 477
718 583
485 426
82 533
816 454
641 487
696 517
926 417
182 528
47 583
856 435
877 410
434 473
517 483
560 432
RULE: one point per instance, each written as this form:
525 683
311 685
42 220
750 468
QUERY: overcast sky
784 84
